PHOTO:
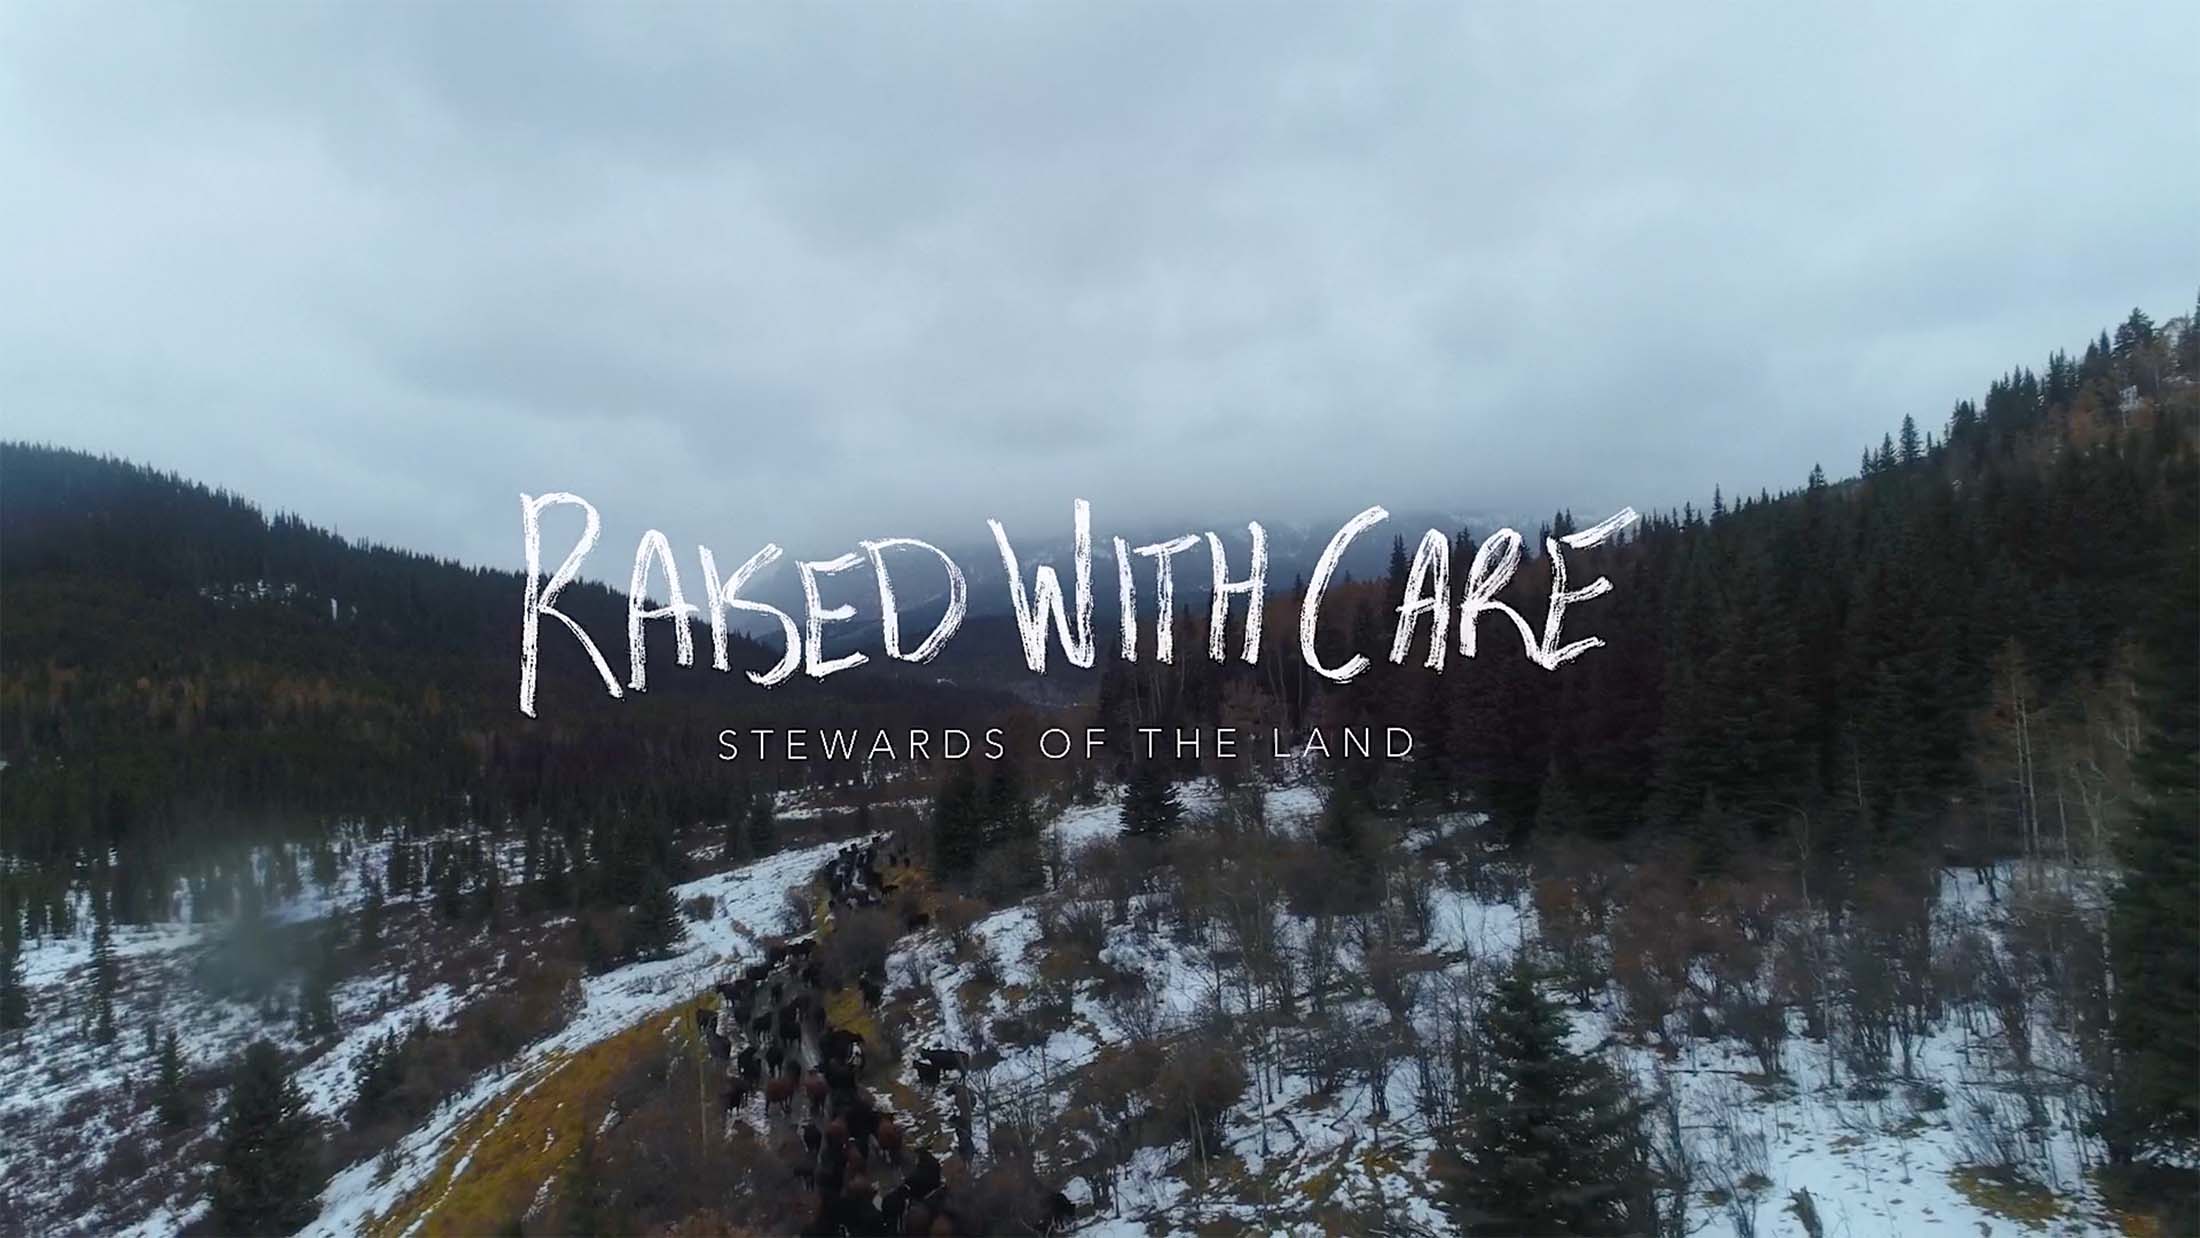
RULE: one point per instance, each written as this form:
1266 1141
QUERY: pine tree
397 874
1343 830
1008 816
736 846
450 894
1150 806
1434 764
655 926
958 830
553 885
763 826
2155 915
1555 1145
488 892
103 971
316 1001
15 1006
1010 828
377 1074
171 1100
268 1177
370 915
596 954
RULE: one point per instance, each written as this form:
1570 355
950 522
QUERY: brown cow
888 1136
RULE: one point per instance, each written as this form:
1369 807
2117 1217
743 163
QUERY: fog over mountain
774 275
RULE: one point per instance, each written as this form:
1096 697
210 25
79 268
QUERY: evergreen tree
1008 816
370 915
1011 828
103 971
397 874
735 848
324 866
2155 916
15 1007
553 885
316 1001
763 826
596 954
1434 764
1344 831
375 1076
655 926
488 892
450 894
171 1099
1150 806
267 1178
1555 1145
958 826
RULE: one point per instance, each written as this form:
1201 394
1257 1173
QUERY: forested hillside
1842 651
1863 853
184 676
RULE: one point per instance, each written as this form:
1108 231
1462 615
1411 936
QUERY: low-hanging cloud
816 272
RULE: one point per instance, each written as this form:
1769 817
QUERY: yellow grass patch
1999 1194
500 1157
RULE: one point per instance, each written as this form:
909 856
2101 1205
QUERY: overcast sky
807 272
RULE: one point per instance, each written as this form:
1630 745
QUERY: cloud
811 272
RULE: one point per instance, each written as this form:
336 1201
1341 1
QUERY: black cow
842 1045
945 1059
893 1205
924 1176
856 1214
1061 1213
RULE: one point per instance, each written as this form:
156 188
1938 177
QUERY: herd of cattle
847 1146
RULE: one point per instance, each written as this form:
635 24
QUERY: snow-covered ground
1291 808
66 1103
1872 1161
